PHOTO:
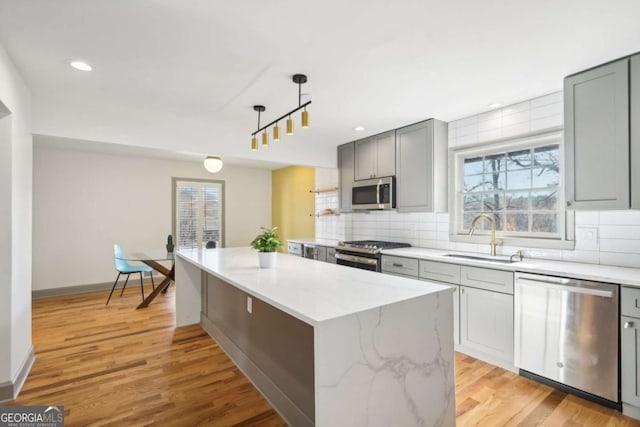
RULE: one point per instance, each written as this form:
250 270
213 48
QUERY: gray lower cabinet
375 156
597 137
421 167
630 348
482 303
630 353
346 162
486 322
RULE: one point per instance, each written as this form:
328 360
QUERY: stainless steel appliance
312 251
364 254
294 248
374 194
567 331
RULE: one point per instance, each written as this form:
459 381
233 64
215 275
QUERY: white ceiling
181 76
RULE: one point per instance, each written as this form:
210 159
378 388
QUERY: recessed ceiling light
494 105
80 65
358 128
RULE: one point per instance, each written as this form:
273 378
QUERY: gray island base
327 345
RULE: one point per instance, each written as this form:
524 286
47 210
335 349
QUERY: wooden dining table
153 259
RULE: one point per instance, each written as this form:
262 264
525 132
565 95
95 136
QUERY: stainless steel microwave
374 194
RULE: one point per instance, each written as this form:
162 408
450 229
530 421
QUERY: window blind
198 213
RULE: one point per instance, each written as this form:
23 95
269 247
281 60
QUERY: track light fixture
298 79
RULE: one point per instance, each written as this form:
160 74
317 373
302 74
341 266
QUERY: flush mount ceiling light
213 164
494 105
80 65
298 79
358 128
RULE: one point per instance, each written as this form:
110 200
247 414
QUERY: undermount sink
482 258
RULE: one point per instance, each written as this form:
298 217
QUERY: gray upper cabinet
346 161
635 131
597 137
421 167
375 156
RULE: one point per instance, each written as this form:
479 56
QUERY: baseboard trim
278 400
81 289
9 390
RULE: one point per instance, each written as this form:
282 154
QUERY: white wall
15 221
605 237
85 202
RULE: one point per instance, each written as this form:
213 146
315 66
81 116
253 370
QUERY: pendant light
254 139
289 126
213 164
276 133
298 79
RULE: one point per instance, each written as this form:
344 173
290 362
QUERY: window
198 213
518 183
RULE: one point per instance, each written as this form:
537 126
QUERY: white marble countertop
601 273
319 242
309 290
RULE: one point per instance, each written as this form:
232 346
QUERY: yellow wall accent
291 202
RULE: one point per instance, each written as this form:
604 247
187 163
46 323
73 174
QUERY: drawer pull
628 325
395 264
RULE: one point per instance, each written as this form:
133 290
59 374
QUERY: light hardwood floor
123 367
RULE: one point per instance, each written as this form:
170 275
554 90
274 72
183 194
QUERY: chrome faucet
494 242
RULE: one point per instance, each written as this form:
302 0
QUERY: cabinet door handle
462 291
395 264
628 325
569 202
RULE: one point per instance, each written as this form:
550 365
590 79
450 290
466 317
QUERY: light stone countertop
601 273
309 290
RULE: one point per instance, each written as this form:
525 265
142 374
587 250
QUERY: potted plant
266 244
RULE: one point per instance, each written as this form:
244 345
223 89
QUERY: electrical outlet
587 238
249 305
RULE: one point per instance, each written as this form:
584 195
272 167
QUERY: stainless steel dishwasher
567 331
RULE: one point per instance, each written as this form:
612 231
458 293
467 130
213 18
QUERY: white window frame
565 236
174 214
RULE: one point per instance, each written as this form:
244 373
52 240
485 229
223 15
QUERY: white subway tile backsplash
552 98
469 121
620 245
620 259
589 257
620 232
587 217
519 129
517 118
547 111
620 217
546 123
489 135
516 108
493 124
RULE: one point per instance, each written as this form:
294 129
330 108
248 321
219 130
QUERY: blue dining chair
123 267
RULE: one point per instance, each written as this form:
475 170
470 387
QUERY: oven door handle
358 259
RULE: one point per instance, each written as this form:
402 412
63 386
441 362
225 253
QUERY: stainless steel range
365 254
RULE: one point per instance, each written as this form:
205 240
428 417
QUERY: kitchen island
327 345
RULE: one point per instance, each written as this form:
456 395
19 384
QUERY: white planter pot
267 259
